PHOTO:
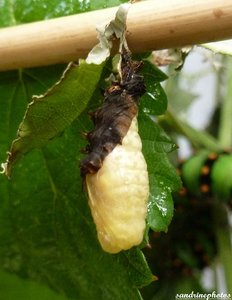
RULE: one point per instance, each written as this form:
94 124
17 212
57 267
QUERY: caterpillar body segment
118 194
112 122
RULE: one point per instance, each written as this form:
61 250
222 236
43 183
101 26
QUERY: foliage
47 233
224 47
49 114
200 232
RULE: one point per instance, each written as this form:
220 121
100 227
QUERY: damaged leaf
49 114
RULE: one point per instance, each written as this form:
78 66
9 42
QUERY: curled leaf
49 114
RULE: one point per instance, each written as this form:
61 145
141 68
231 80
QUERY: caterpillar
114 168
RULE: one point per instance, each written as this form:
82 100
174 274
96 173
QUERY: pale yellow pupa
118 194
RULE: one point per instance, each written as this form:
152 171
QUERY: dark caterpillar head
97 150
90 164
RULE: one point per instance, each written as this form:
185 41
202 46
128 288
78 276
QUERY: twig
151 25
225 129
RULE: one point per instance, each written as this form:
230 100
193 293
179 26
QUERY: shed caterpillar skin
113 119
114 169
118 194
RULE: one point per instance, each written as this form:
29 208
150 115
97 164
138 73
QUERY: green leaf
163 178
16 88
223 47
46 230
51 113
48 233
17 12
15 288
99 4
7 17
154 101
138 262
152 72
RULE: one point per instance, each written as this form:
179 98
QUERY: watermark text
205 296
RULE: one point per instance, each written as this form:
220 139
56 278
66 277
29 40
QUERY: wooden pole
151 25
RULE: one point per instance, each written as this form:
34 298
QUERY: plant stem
199 139
225 130
223 230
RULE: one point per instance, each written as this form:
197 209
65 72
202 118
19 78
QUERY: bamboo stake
151 25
